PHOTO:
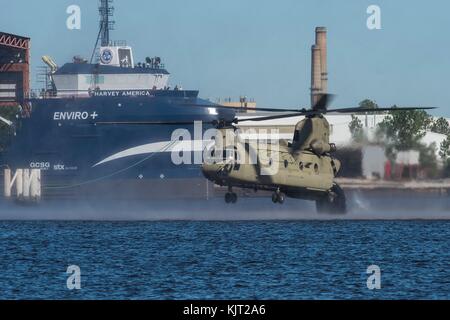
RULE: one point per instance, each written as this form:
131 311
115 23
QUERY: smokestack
319 71
316 72
321 42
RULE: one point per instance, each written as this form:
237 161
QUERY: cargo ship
60 135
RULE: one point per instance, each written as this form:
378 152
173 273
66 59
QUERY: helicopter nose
209 171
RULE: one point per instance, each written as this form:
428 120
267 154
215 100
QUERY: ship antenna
106 11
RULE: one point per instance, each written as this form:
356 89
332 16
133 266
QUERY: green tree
402 130
427 159
356 129
444 149
405 129
446 171
444 153
440 126
368 104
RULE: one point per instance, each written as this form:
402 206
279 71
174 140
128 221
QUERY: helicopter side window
237 165
228 153
286 163
212 154
316 168
301 166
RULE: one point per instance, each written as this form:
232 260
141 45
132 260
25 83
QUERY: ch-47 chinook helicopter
306 166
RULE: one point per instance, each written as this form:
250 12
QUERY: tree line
402 130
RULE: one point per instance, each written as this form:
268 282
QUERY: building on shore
372 161
243 102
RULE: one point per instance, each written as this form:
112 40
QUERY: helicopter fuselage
300 174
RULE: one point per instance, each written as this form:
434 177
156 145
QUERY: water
362 205
225 260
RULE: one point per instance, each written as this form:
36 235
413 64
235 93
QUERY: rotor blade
153 122
323 102
280 116
341 110
264 118
363 110
240 108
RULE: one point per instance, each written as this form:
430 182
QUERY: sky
261 48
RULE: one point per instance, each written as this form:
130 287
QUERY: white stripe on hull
184 145
159 147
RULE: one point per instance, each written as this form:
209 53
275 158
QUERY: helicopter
303 168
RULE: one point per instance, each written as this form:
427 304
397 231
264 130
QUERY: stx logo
59 167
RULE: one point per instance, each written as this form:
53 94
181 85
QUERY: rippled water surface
225 260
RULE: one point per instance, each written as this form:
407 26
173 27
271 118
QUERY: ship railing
144 65
70 93
41 94
117 43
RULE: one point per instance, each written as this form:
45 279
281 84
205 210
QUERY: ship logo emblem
106 56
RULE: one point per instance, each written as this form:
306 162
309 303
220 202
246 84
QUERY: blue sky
261 48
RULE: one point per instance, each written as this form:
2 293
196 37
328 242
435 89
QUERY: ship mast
106 11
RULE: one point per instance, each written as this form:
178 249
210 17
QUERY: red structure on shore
14 70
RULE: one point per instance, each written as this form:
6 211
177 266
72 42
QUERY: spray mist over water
382 205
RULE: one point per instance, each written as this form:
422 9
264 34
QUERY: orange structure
14 69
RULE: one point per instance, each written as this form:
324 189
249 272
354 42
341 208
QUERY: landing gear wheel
333 202
274 197
281 198
278 197
230 197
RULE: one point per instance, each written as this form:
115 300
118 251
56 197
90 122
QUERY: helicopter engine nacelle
321 147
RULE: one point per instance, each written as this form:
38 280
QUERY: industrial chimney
319 73
315 74
321 41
